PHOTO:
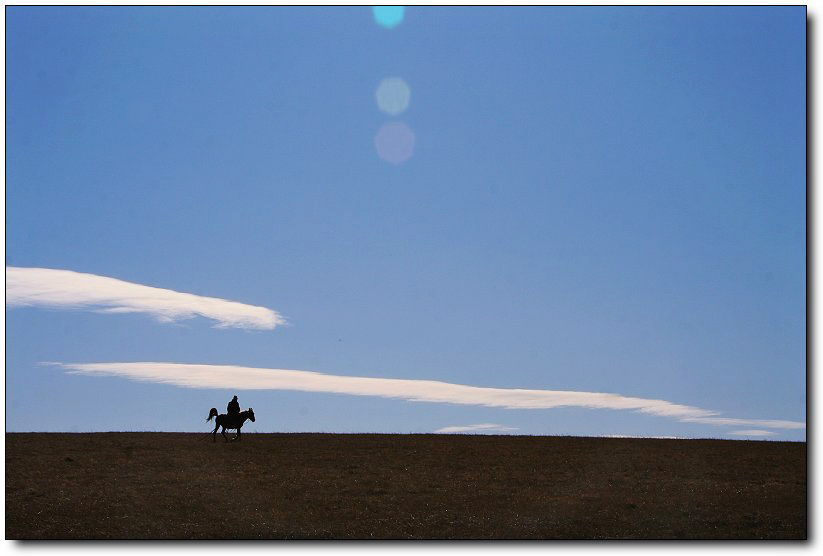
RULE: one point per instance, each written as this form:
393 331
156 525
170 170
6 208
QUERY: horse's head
251 415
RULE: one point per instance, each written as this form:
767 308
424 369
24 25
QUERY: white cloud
66 289
770 423
483 427
753 433
248 378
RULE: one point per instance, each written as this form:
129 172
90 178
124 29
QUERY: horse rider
233 409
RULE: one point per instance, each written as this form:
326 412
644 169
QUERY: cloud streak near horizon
66 289
250 378
482 427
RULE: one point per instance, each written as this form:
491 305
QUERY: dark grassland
380 486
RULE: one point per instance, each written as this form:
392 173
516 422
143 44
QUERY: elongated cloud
66 289
771 423
483 427
249 378
755 432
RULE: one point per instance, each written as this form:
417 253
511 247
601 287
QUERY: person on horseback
227 422
233 409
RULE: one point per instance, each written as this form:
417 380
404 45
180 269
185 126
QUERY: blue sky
577 202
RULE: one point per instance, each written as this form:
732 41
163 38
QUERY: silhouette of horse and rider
232 419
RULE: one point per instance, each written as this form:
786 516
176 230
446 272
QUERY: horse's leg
214 433
223 432
238 434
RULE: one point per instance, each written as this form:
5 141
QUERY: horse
229 422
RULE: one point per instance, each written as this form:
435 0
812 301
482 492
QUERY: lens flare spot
388 16
394 142
393 95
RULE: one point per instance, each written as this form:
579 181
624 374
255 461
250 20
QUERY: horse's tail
212 413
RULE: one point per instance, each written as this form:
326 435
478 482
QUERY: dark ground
381 486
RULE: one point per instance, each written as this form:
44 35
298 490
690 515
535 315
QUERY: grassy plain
381 486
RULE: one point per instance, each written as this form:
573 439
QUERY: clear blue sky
598 199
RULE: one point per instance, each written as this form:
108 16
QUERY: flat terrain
364 486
